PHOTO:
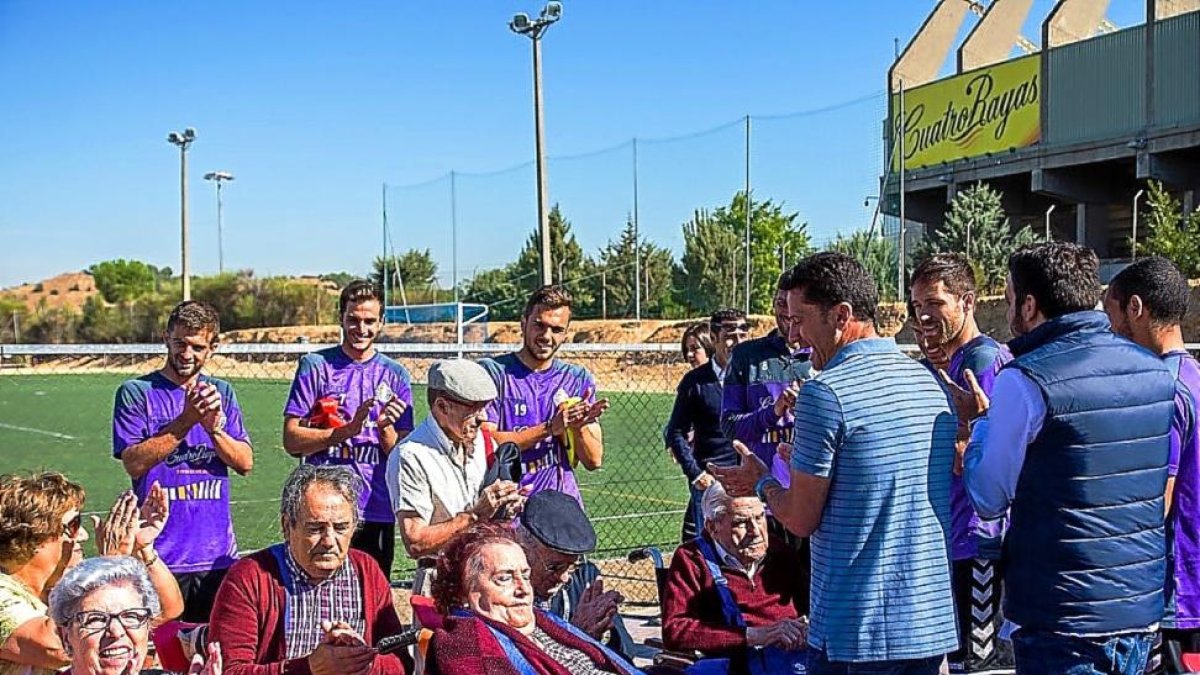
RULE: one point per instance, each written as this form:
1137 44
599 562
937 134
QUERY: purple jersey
199 534
330 373
527 399
1183 581
970 536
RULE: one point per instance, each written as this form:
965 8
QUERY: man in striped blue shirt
870 472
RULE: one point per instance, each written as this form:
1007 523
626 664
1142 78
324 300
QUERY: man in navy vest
1146 303
1074 445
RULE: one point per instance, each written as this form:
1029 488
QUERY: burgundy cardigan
692 617
247 617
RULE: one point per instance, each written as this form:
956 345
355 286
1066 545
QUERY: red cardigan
247 617
692 617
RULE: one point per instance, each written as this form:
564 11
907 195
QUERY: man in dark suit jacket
694 432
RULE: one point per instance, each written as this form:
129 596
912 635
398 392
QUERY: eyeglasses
96 621
563 567
70 529
469 409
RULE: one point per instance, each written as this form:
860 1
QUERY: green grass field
62 423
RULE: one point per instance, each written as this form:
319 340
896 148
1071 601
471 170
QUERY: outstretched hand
739 481
968 403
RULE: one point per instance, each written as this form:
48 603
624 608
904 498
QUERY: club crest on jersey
384 393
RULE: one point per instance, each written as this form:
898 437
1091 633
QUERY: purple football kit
759 371
530 398
975 543
971 537
331 373
1183 526
198 536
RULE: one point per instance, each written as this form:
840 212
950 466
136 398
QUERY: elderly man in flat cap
556 534
437 476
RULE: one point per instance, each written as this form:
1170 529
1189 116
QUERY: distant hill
69 290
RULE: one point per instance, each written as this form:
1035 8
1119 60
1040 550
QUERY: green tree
713 267
121 280
223 291
497 289
616 260
977 226
876 254
105 322
417 271
707 275
566 255
1170 232
342 279
12 317
48 325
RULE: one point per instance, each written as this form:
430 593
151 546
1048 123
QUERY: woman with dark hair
693 433
41 533
696 345
492 627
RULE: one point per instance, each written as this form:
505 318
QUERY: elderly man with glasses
556 534
437 477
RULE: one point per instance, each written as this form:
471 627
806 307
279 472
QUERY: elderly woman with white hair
732 593
103 608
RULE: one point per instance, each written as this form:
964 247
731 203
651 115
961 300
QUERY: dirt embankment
589 331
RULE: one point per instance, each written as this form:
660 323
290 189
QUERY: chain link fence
56 411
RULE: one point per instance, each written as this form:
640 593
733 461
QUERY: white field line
31 430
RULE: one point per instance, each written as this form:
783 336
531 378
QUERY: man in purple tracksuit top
761 382
942 314
370 397
546 406
184 430
1146 303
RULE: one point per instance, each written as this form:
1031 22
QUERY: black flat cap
557 520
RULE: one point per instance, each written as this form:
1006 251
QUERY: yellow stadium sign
991 109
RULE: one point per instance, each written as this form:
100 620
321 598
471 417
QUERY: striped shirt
879 427
338 598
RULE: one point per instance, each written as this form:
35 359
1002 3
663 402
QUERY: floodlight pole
219 177
1048 212
534 30
637 245
747 310
1136 198
900 239
183 140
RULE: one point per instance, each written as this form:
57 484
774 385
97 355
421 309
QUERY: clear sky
314 105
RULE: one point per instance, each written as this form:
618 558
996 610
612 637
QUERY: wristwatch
760 488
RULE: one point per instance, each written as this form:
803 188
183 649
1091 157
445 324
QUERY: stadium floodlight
533 29
219 177
184 141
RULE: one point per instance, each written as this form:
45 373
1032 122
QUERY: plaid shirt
338 598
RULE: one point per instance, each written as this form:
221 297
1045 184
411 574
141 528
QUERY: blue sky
313 106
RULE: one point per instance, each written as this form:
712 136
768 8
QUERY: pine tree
876 254
978 227
653 273
1170 232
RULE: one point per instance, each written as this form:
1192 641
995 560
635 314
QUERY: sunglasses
734 327
70 529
